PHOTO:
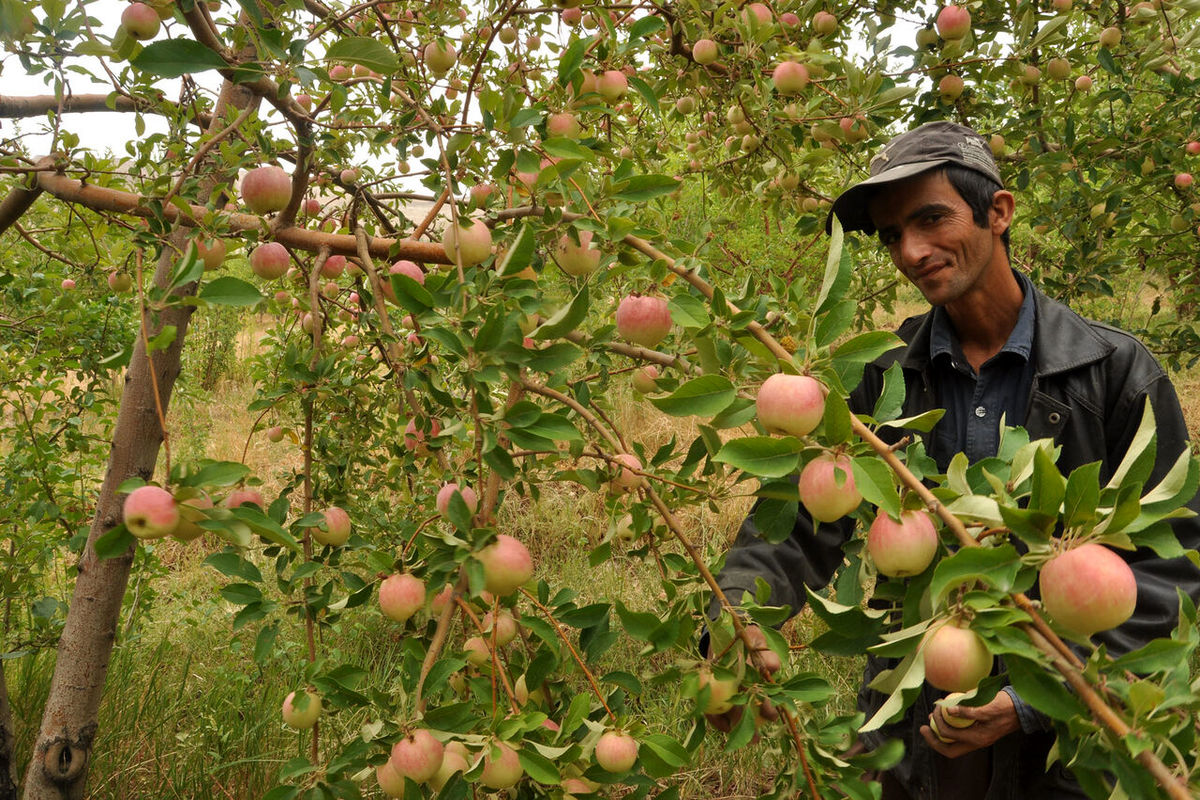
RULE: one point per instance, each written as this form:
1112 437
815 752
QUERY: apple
956 658
243 497
414 438
300 711
439 57
270 261
501 766
756 14
643 319
1084 83
626 478
645 379
616 751
685 105
572 16
266 189
996 145
926 38
340 73
68 284
477 651
563 124
790 77
211 252
507 565
337 527
480 193
501 626
612 85
903 548
390 781
1058 68
448 490
523 695
950 88
120 281
824 23
953 22
790 404
1110 37
305 101
827 487
1192 148
275 433
455 758
1184 180
140 21
191 511
472 242
1088 588
948 704
720 690
417 756
580 259
333 267
704 51
150 512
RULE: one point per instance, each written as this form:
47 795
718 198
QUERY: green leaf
1049 487
647 94
866 347
570 60
1138 460
241 594
994 566
836 419
174 58
646 26
568 148
363 50
230 291
641 188
234 566
1039 687
114 542
218 473
1050 30
704 396
763 456
876 483
834 322
688 312
538 767
520 252
891 398
411 295
566 319
1083 495
837 271
921 422
1160 655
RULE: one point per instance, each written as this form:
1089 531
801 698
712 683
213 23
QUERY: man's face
932 237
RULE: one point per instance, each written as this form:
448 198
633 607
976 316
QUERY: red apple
243 497
824 23
68 283
417 756
507 565
120 281
333 267
501 627
790 77
150 512
953 22
720 690
390 781
477 651
337 527
1192 148
612 85
269 261
1184 180
643 319
827 487
645 379
140 21
626 478
903 548
210 251
950 88
756 14
1088 588
1084 83
1058 68
616 752
790 404
455 758
448 490
470 239
501 766
704 51
1110 37
266 189
563 124
580 259
956 658
300 711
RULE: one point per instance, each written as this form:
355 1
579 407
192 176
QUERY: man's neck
984 319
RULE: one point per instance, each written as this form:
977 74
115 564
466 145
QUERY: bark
59 765
13 107
8 770
18 201
99 198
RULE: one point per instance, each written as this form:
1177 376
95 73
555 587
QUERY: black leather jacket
1090 385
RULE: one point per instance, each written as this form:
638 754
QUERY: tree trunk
59 765
8 771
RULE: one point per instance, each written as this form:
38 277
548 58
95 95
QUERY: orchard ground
187 712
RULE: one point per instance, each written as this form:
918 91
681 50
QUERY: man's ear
1001 213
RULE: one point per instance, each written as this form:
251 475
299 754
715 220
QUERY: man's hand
992 722
770 663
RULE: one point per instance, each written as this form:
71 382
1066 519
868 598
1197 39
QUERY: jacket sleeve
1157 610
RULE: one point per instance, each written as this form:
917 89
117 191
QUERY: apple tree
438 371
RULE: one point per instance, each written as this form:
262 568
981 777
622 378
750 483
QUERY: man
991 346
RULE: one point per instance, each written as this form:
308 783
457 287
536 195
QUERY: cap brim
851 205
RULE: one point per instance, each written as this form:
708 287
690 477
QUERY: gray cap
934 144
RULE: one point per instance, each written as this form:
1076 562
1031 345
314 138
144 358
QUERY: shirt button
980 412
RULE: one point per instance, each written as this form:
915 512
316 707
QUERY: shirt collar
943 340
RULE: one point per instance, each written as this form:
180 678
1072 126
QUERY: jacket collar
1067 341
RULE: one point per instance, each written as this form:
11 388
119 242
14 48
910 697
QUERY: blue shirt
975 402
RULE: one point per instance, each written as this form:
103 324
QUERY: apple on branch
150 512
301 711
616 751
266 189
956 657
1088 589
790 404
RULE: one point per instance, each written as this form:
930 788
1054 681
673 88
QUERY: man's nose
913 248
